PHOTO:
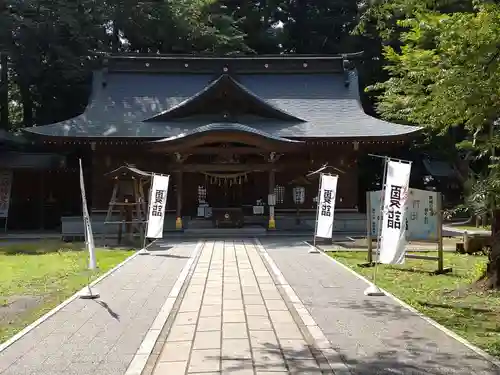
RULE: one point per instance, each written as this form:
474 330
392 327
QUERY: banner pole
369 228
373 290
315 249
89 243
144 250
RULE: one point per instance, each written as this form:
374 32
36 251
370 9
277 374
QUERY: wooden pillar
272 183
178 214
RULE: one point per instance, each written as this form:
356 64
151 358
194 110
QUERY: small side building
229 131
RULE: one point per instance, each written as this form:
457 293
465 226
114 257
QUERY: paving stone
210 323
210 310
295 349
256 310
234 316
253 299
303 365
204 361
274 304
234 331
281 317
263 339
247 290
175 351
181 333
207 340
236 349
271 294
269 360
232 304
259 323
212 300
171 368
186 318
232 294
287 331
240 367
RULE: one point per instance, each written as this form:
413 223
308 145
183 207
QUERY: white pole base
373 290
313 250
89 293
144 251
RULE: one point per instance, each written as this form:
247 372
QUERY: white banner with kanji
157 203
326 206
393 236
5 190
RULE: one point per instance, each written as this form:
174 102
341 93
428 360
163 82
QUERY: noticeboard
422 217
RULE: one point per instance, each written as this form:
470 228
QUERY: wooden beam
231 167
220 150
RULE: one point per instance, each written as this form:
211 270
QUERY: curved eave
226 131
171 113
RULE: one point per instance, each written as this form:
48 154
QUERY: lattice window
279 191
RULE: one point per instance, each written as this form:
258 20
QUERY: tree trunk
27 102
491 277
4 92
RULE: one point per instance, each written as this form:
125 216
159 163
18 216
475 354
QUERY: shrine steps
225 232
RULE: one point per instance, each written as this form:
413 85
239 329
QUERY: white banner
326 206
5 190
157 203
393 234
422 219
89 236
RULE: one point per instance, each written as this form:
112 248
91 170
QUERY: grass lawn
36 277
473 315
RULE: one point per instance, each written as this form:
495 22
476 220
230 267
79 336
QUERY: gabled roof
128 171
141 104
222 92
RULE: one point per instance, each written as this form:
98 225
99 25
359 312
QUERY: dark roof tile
119 108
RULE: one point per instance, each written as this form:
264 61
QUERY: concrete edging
321 341
59 307
448 332
140 359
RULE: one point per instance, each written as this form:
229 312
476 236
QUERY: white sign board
157 204
5 190
393 233
422 217
326 206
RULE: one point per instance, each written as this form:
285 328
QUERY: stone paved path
100 337
234 320
375 335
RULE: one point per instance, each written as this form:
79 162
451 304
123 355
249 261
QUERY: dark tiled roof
128 171
329 107
225 127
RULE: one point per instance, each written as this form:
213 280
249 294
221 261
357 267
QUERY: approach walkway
234 319
242 306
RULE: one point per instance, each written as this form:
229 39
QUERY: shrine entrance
224 173
226 190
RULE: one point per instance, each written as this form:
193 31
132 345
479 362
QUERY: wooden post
439 208
369 228
272 183
178 215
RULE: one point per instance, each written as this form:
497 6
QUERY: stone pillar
272 183
178 215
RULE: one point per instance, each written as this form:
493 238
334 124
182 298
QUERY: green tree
446 74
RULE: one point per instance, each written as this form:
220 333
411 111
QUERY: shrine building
229 131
